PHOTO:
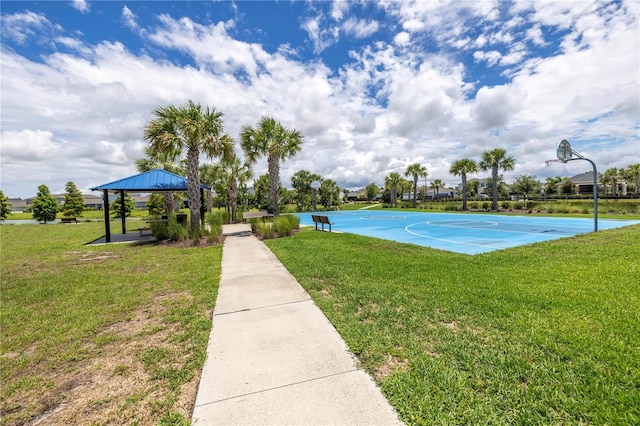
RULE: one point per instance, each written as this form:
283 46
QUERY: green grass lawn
540 334
111 334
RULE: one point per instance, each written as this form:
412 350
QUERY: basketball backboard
564 151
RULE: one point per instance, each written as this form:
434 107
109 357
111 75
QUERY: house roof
584 178
151 181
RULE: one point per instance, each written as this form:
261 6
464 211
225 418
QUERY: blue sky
374 85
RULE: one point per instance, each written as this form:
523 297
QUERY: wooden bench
253 215
69 220
322 220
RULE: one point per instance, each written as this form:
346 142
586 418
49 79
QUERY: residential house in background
583 184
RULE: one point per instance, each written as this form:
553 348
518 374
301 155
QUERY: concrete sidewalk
273 357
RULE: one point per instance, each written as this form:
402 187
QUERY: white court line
458 223
515 232
447 241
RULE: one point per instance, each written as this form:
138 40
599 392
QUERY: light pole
566 153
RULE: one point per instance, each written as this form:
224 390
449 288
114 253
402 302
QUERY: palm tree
329 192
495 160
270 138
237 173
611 176
436 185
416 171
633 173
301 181
193 129
162 160
392 181
461 168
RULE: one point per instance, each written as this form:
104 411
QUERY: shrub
170 230
474 205
486 205
285 225
450 207
518 205
506 205
264 230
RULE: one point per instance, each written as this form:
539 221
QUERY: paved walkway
273 357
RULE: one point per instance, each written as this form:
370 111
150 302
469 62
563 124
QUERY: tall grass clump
215 221
284 225
264 230
170 230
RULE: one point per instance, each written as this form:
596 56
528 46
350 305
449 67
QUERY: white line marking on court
461 224
543 232
445 240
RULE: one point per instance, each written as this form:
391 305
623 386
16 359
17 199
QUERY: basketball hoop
564 151
549 162
565 154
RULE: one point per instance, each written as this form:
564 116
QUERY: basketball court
459 232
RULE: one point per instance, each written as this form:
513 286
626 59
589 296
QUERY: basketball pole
565 153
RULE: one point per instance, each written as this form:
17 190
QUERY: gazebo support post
123 213
107 225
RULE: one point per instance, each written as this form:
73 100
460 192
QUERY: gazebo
156 180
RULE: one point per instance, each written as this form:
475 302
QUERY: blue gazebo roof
151 181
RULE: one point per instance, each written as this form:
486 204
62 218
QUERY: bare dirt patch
114 384
390 366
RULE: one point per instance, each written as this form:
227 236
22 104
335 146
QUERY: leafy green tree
116 207
416 171
503 190
261 188
5 211
191 130
473 187
45 206
301 181
551 185
526 185
329 193
272 139
73 201
633 173
372 190
567 187
156 204
436 184
496 160
462 168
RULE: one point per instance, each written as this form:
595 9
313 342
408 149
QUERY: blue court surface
459 232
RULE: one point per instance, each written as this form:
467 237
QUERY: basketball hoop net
549 162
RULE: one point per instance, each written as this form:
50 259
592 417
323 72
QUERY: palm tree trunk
415 190
494 185
233 197
394 196
168 202
194 192
274 174
464 191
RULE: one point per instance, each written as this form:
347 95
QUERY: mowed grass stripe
540 334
